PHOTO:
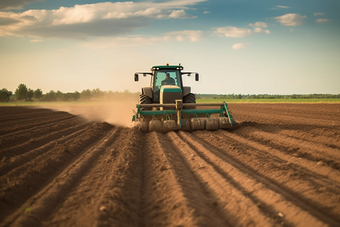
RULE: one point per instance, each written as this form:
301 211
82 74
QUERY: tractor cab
166 85
165 79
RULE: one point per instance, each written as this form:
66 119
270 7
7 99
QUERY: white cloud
257 30
231 31
179 36
259 24
260 30
318 14
180 14
290 19
109 42
206 12
238 46
15 4
282 7
322 20
191 35
82 21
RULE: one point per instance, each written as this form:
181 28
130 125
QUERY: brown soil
280 167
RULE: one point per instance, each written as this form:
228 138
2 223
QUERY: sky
237 46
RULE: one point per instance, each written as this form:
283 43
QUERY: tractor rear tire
143 99
189 98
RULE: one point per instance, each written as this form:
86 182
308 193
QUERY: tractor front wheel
143 99
189 98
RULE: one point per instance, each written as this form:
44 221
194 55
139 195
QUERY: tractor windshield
165 77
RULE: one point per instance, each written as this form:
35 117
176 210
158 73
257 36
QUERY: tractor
168 105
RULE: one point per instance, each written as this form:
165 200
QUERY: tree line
23 93
267 96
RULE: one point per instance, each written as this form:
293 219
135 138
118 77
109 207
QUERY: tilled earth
281 167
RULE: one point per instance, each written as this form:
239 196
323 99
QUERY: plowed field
281 167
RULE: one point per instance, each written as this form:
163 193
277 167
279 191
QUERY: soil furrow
85 194
9 111
319 195
46 199
29 141
24 135
331 141
7 117
121 202
232 203
19 160
329 138
311 150
297 115
322 172
9 127
316 169
172 192
267 196
22 114
314 112
22 182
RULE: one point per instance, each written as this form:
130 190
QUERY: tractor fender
147 91
186 91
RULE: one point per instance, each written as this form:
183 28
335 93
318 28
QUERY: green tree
71 96
21 92
76 95
30 94
5 95
50 96
38 94
86 94
97 93
60 96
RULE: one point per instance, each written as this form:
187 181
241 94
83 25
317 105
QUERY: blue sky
237 46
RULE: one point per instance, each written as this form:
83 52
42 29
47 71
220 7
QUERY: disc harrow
183 116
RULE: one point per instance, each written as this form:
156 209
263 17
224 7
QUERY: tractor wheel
143 99
190 98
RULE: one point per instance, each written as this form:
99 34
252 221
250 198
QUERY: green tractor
168 105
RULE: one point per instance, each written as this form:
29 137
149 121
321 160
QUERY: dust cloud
115 112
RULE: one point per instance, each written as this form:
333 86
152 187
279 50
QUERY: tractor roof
164 67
